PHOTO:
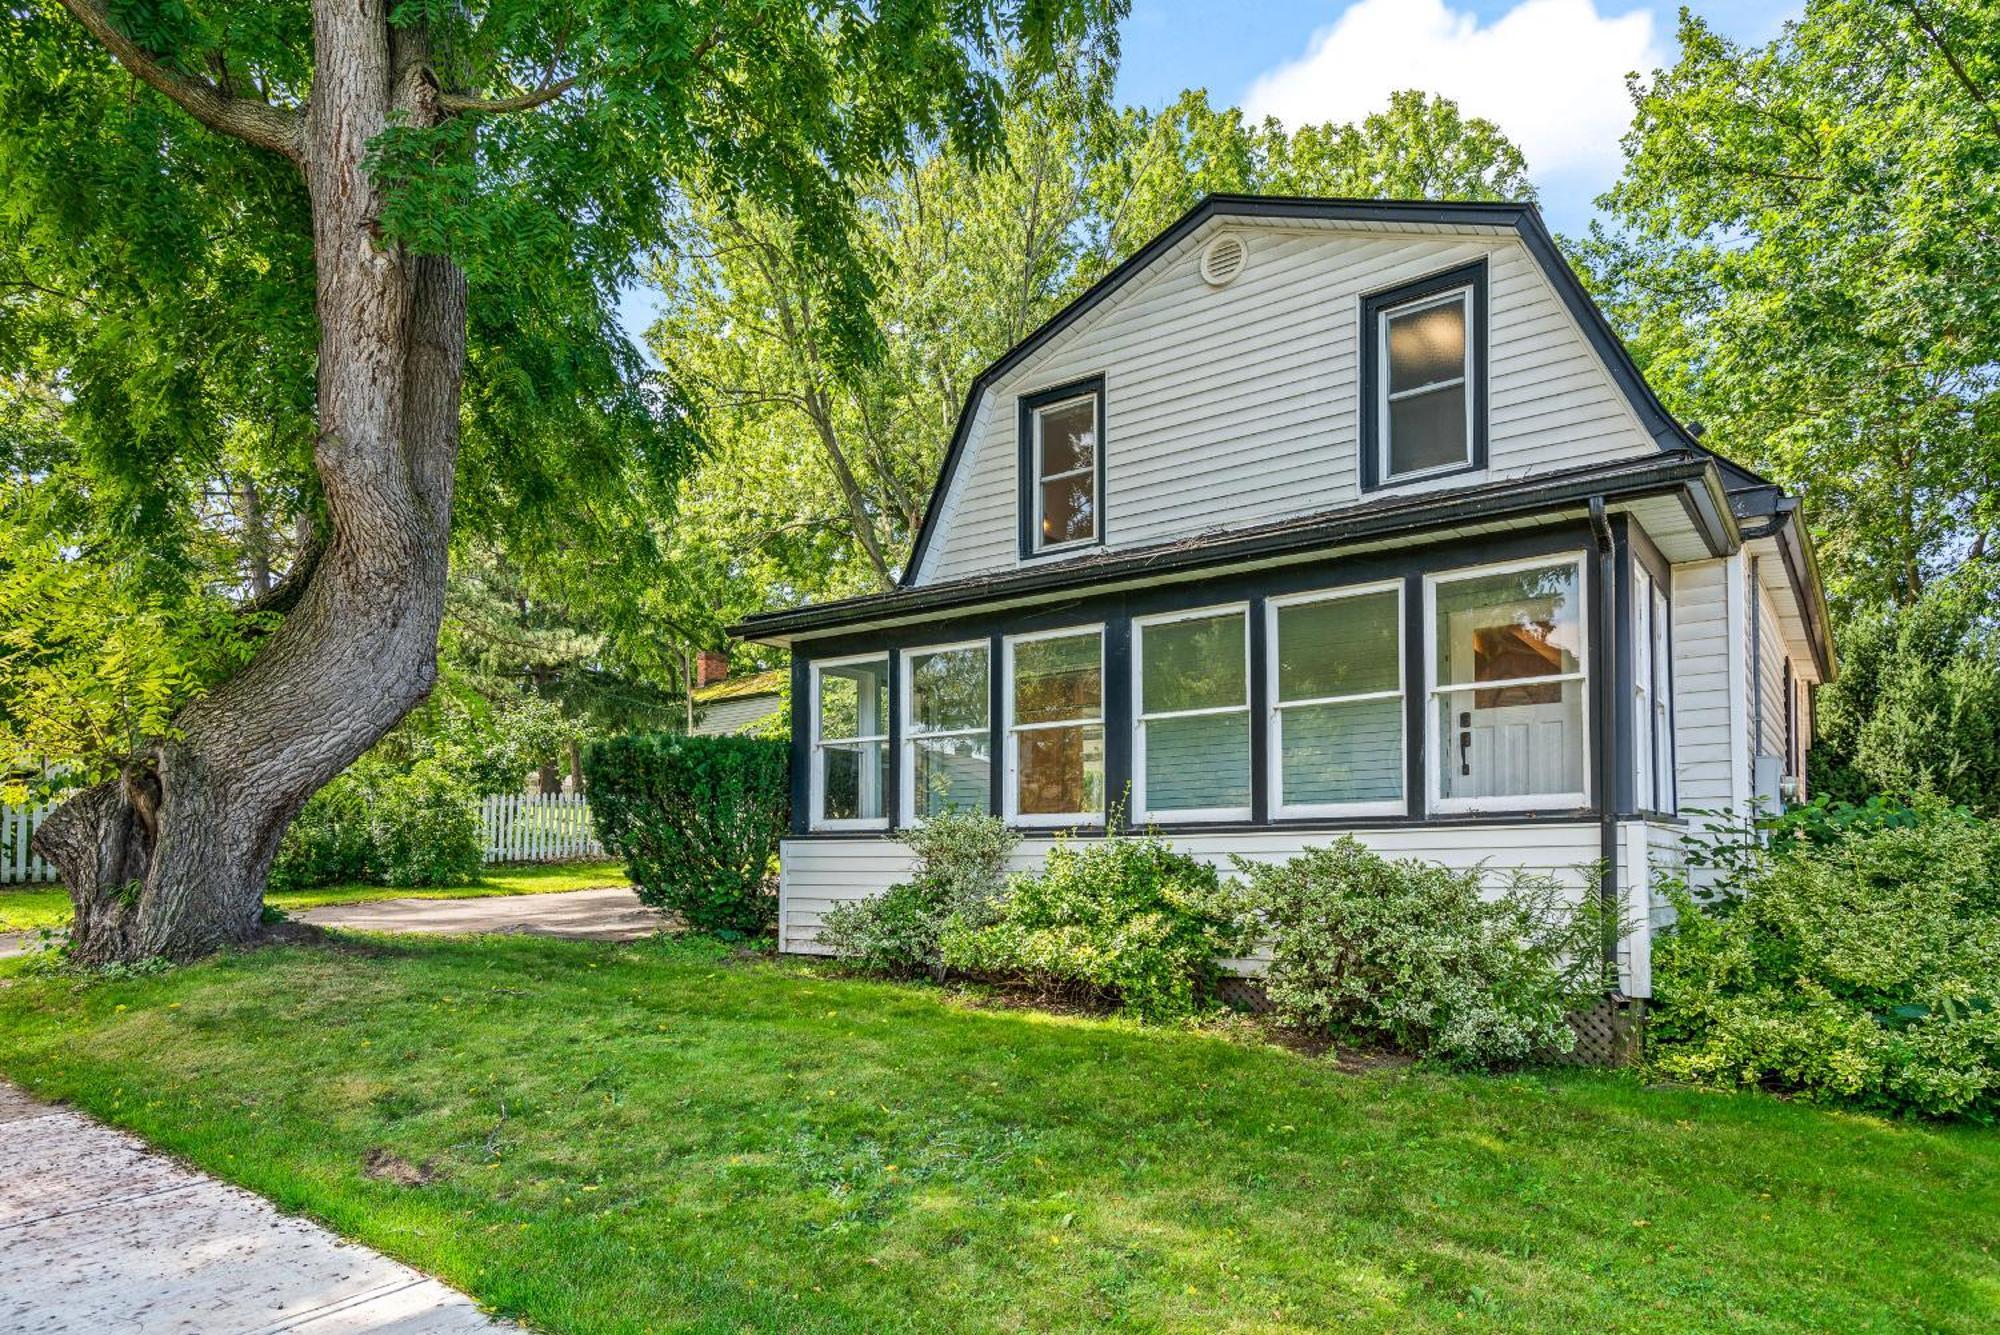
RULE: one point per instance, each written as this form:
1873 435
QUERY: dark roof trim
1802 569
1690 474
1524 219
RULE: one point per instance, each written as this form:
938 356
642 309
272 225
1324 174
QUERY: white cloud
1550 73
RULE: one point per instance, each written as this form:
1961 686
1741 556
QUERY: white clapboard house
1318 517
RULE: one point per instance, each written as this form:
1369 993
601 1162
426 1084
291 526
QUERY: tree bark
171 858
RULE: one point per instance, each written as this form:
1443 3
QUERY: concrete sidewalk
613 914
99 1233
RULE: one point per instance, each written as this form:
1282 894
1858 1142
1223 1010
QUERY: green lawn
26 908
660 1135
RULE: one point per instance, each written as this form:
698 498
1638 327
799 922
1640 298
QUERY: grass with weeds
28 908
666 1135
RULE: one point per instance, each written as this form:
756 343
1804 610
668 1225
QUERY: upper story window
850 732
1423 370
1062 468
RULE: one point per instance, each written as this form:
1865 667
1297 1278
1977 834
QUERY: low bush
417 826
1855 958
1124 918
961 874
697 821
1413 955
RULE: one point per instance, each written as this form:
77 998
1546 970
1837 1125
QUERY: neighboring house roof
770 682
1691 475
1524 219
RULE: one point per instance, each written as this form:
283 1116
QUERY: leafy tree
1803 256
382 244
1917 705
821 469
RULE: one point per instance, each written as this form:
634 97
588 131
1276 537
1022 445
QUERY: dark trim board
1380 516
1116 610
1373 307
1525 220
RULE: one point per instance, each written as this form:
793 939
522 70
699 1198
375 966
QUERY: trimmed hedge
697 821
374 824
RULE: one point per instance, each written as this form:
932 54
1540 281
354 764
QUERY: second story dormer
1265 359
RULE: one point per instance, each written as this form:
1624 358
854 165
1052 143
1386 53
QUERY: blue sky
1550 72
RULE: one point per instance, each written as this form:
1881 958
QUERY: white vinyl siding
1236 406
1702 673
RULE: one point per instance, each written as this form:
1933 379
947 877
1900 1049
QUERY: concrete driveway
582 915
99 1233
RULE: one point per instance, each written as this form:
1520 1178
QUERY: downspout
1605 672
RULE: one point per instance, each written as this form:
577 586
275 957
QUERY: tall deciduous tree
1805 253
399 174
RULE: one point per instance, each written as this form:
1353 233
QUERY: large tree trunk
170 860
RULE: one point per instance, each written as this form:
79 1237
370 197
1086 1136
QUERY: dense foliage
1856 958
961 876
1916 707
1125 918
1416 956
697 821
1803 256
385 825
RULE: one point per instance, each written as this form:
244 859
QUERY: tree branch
1965 80
462 103
258 123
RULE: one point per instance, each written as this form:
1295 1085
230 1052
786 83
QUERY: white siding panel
1701 678
1237 406
819 873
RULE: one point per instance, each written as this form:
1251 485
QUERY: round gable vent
1222 259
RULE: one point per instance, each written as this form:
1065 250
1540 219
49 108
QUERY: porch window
1062 461
946 765
1336 678
1644 741
1191 745
1506 664
1665 791
850 731
1055 727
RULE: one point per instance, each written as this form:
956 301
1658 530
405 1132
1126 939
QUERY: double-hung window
947 704
1506 728
1644 742
1055 727
1336 691
1062 468
850 734
1191 744
1422 368
1666 796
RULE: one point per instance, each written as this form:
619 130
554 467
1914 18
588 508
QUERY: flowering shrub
1124 918
1413 955
1854 958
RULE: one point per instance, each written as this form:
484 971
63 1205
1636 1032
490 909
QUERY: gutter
1288 539
1604 670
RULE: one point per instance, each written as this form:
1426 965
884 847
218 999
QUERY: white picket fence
555 828
513 828
19 864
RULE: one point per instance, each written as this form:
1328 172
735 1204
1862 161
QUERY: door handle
1465 744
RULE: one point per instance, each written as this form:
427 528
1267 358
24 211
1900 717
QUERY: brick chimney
710 666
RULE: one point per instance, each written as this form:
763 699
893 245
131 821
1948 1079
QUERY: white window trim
1646 766
1274 759
907 774
817 781
1012 801
1666 781
1383 471
1439 804
1037 546
1141 813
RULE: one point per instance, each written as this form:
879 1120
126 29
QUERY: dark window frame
1374 306
1027 467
